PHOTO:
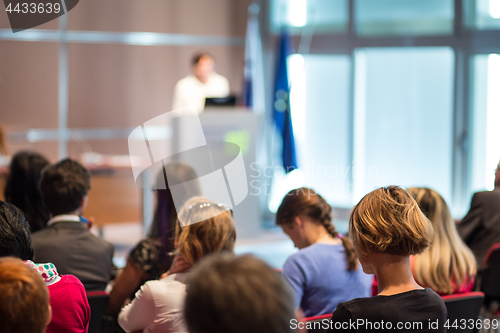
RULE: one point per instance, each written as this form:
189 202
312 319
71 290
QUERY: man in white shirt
203 82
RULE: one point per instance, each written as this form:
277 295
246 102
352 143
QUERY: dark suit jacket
75 250
480 228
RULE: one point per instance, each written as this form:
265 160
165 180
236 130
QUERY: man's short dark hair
237 295
197 57
15 235
64 185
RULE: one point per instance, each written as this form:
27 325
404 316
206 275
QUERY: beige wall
113 85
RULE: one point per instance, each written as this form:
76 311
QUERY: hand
179 265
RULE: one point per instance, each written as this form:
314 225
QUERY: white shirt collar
64 218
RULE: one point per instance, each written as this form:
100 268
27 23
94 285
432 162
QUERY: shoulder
147 244
218 78
313 251
40 234
68 284
296 259
102 242
433 297
310 257
146 250
71 279
186 81
353 304
170 285
486 194
45 238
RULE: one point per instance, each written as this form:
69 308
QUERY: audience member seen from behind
66 241
237 295
387 227
480 228
68 300
15 236
22 188
325 271
24 298
70 308
152 256
447 266
158 306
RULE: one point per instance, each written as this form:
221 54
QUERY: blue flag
282 115
254 72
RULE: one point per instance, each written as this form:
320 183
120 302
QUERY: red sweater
70 307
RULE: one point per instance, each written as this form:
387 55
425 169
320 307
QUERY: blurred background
381 92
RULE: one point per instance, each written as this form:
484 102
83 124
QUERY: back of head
24 298
306 202
15 236
184 178
64 185
389 221
204 227
22 188
447 259
237 295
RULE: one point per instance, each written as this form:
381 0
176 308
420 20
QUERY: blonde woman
387 227
204 227
447 265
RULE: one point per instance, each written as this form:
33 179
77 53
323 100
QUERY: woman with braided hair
325 270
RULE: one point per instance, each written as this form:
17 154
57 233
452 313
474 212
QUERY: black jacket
480 228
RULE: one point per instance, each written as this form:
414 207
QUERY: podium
231 125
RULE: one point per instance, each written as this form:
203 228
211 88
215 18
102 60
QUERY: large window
404 17
416 102
483 14
403 119
323 15
484 121
319 100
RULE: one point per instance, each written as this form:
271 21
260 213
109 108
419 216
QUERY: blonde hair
24 298
448 260
213 234
389 221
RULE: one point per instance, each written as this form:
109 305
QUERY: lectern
239 128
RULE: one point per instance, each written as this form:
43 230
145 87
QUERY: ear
83 204
298 221
49 317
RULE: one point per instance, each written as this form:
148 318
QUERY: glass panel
404 17
483 14
403 119
484 120
323 15
319 101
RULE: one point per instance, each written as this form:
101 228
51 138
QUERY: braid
352 261
330 228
